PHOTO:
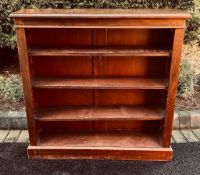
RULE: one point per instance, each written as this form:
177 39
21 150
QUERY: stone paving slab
197 133
178 136
23 137
3 135
12 136
189 135
172 140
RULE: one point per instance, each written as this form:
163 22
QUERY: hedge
7 33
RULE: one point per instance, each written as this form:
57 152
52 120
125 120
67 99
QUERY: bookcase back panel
68 126
76 97
128 97
127 125
140 38
145 38
101 66
62 66
62 97
131 66
101 125
58 37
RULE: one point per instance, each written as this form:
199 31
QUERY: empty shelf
101 113
99 83
127 139
97 51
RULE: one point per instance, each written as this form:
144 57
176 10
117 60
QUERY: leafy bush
193 24
187 79
10 88
7 34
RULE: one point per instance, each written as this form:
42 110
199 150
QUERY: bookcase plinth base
103 153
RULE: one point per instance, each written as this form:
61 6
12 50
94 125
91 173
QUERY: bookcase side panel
172 87
26 78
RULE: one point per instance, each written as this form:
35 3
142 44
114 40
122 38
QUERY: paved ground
13 161
179 136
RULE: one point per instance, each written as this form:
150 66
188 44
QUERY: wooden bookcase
100 84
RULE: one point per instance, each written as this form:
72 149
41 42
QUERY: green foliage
187 79
7 34
193 24
10 88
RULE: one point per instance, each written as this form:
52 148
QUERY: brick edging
13 120
182 120
187 119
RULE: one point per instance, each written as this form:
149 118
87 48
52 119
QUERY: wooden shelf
98 51
99 83
109 139
101 113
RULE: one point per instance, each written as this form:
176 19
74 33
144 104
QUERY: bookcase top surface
100 13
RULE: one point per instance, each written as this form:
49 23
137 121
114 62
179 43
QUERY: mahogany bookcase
100 84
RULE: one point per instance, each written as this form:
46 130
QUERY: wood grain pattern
139 38
130 67
128 97
127 51
138 66
98 83
101 113
59 38
100 125
173 79
122 139
62 97
99 23
25 73
62 66
100 19
99 13
113 153
127 125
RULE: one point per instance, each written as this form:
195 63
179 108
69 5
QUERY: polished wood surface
100 83
62 66
122 139
26 79
113 153
101 113
100 18
98 52
95 23
98 13
100 125
132 67
62 97
128 97
173 81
